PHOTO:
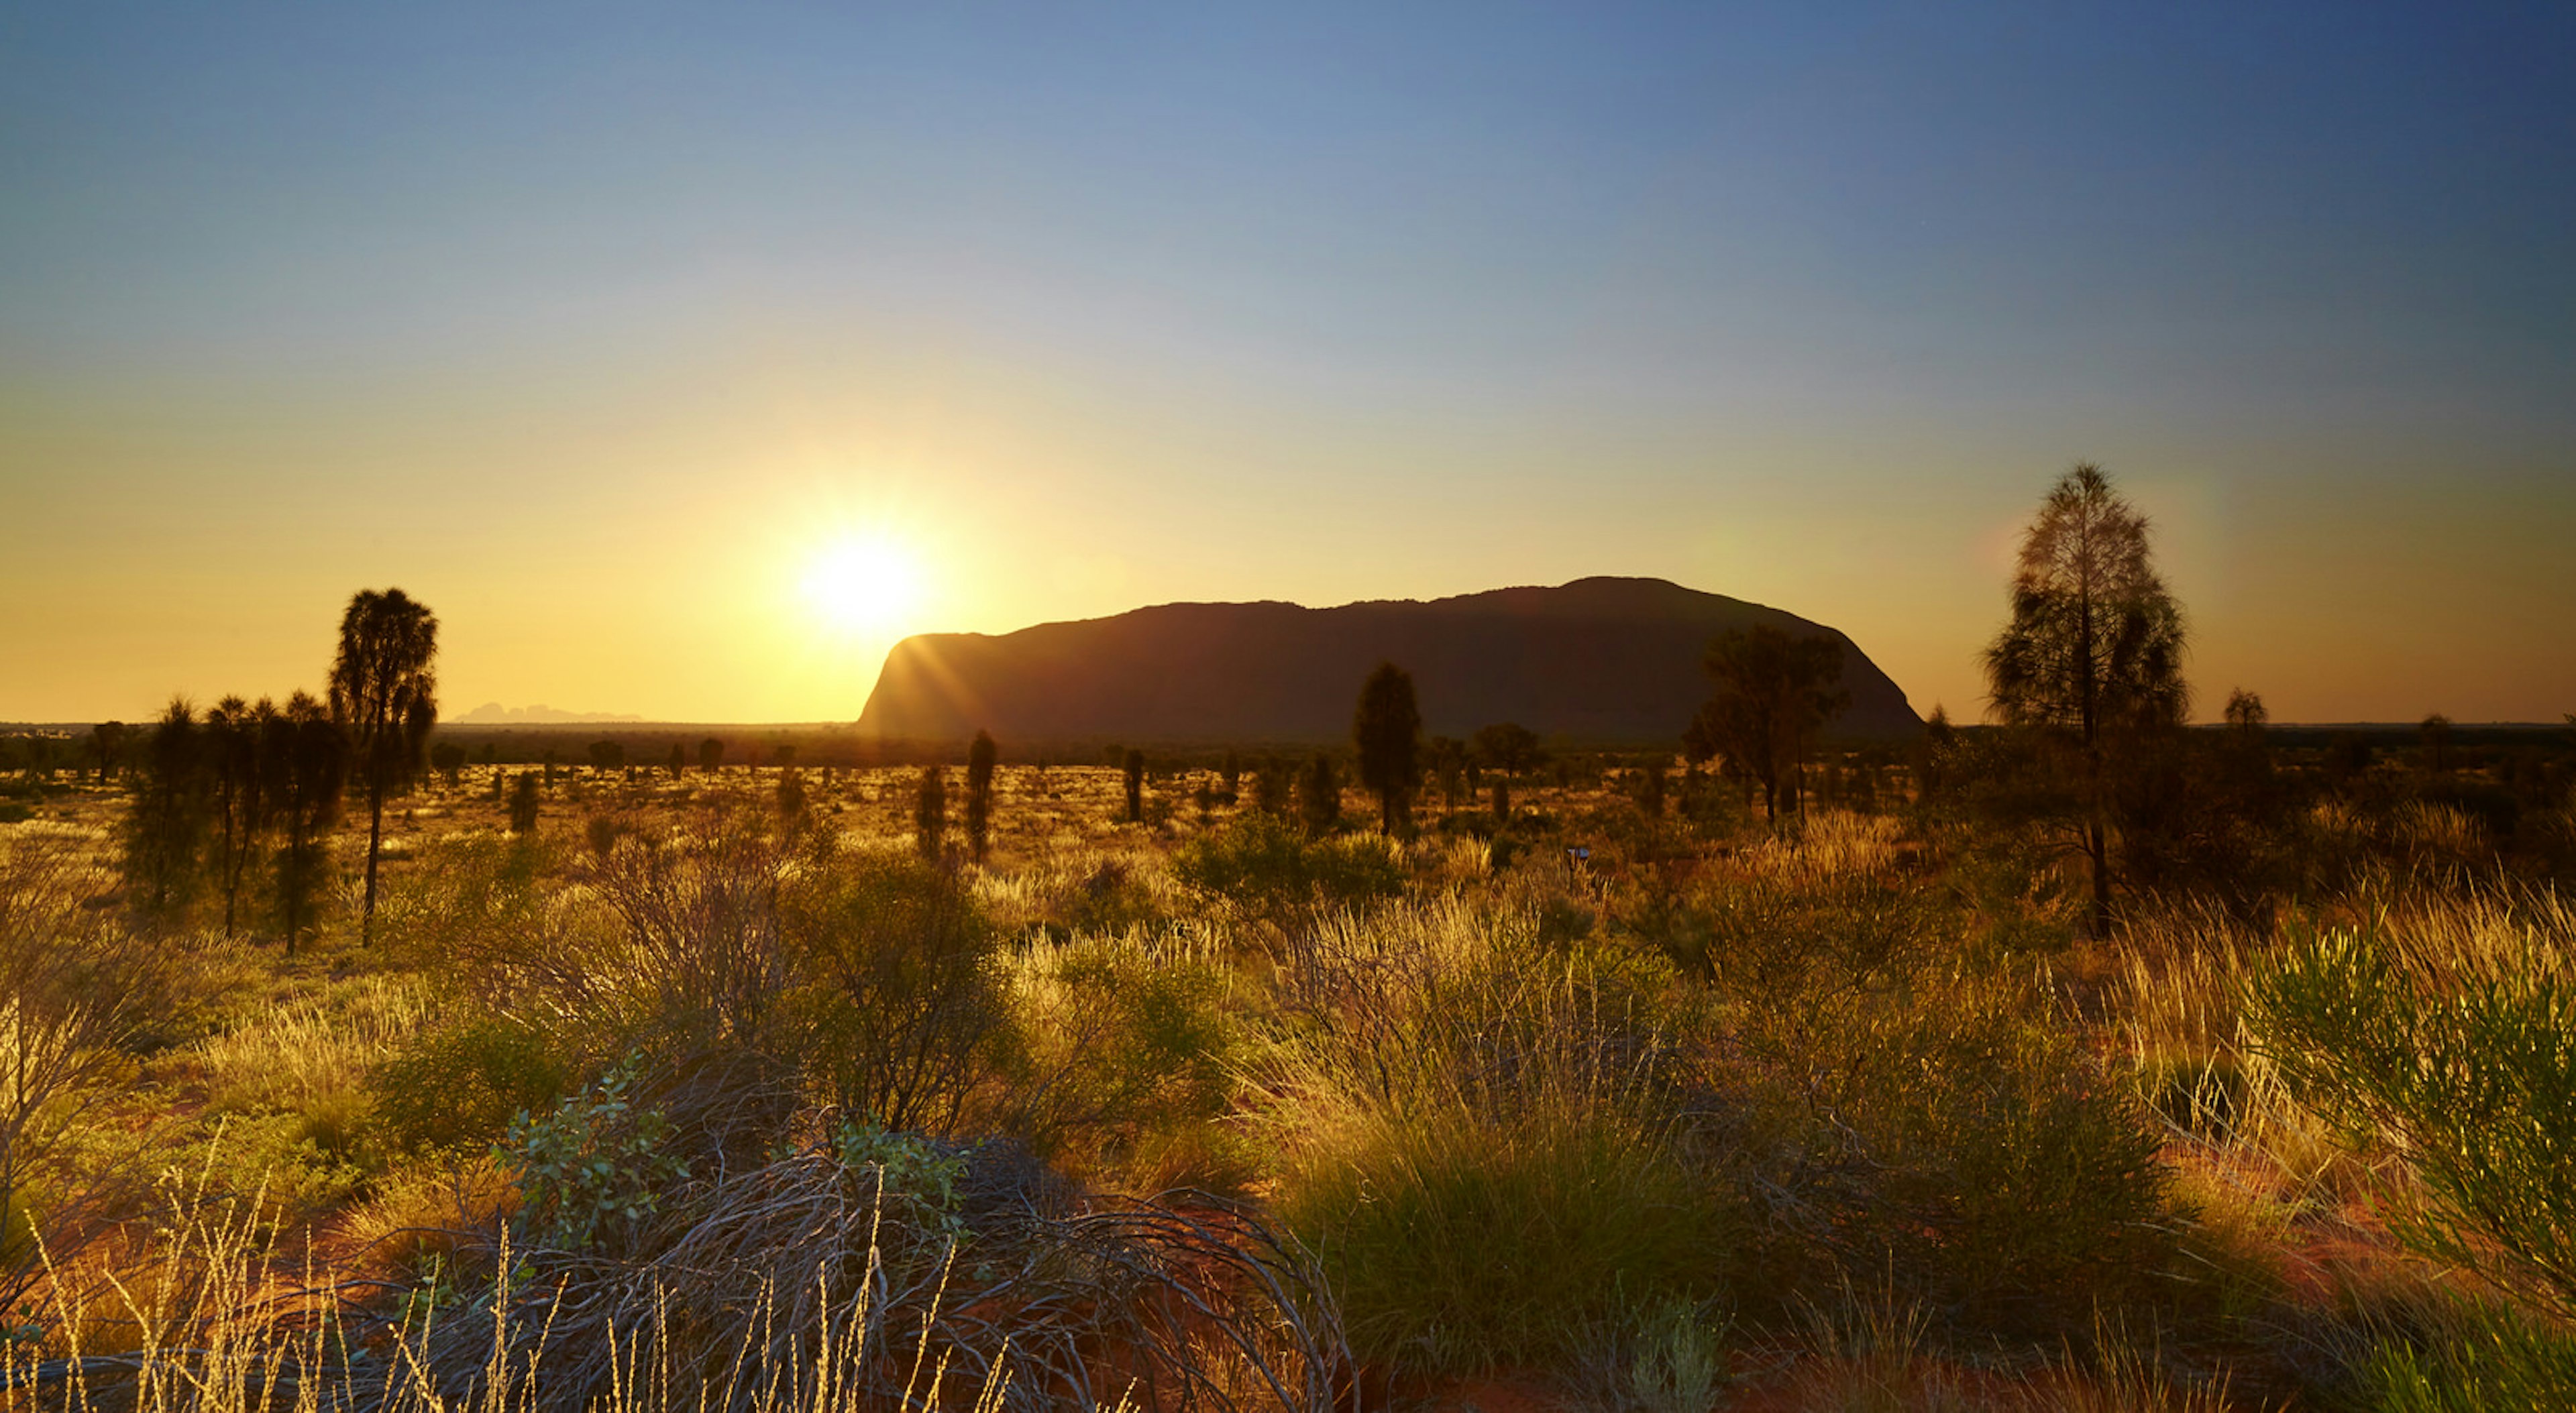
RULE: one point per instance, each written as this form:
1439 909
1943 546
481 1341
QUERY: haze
611 332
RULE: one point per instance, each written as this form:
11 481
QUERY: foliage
1772 694
930 812
461 1086
894 987
1387 730
1509 747
384 694
2464 1061
1261 863
592 1170
2092 657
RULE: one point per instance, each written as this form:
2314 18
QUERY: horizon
685 364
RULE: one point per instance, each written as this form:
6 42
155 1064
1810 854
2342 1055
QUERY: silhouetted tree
1387 729
1772 694
1502 800
1270 788
1650 790
384 695
448 759
678 764
2435 733
930 812
1231 772
2092 658
1134 765
783 754
2246 714
711 755
305 760
981 757
523 804
1319 797
242 808
106 746
166 827
606 755
793 807
1509 747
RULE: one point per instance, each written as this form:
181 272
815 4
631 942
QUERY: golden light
863 585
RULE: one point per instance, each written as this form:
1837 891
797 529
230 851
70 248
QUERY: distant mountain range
1603 659
495 714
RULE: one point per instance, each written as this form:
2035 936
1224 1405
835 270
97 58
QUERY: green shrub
897 988
1975 1157
593 1170
462 1085
1131 1053
2461 1055
2495 1359
1459 1245
1265 864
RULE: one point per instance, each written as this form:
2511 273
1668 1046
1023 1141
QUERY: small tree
1231 772
678 764
1509 747
106 746
1319 797
930 812
793 806
1502 801
166 829
981 757
1772 693
606 755
2092 658
2435 733
711 755
242 807
305 758
384 697
523 804
448 759
1387 729
1270 788
1650 789
1135 772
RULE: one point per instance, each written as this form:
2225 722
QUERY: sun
862 585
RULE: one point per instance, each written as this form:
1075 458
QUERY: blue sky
582 321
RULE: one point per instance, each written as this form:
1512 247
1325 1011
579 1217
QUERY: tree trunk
375 841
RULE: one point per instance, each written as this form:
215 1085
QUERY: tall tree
242 806
1771 694
1509 747
981 757
304 759
1319 796
1387 729
710 755
165 830
930 812
385 696
2092 657
1134 767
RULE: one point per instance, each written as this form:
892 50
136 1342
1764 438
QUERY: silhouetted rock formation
1609 660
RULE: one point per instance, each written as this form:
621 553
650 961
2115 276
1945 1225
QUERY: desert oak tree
385 696
2093 654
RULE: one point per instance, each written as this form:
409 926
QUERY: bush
1130 1051
1984 1162
594 1169
1459 1244
2459 1052
461 1087
897 986
1265 864
2494 1359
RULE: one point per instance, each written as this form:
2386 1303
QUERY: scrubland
683 1100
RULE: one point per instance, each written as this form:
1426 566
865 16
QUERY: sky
683 359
